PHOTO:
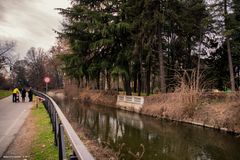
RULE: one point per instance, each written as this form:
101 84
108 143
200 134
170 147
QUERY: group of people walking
16 94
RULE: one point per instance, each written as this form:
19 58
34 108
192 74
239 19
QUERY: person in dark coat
23 93
30 94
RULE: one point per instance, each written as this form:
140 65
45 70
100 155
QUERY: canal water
132 135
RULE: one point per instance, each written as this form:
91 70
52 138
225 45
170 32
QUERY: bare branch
6 47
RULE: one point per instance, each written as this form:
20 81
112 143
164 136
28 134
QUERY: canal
156 139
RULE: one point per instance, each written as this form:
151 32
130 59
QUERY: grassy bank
43 144
4 93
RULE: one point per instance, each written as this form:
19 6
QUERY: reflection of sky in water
161 139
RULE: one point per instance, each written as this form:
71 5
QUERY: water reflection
161 139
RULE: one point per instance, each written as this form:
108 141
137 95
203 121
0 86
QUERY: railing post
48 107
54 120
52 114
56 129
73 156
142 101
61 144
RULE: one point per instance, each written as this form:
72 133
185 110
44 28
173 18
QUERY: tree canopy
148 43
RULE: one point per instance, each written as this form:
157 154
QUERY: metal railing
60 126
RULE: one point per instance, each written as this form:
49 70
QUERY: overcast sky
30 22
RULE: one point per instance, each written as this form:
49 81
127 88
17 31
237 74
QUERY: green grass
43 145
4 93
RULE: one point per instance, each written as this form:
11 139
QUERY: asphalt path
12 117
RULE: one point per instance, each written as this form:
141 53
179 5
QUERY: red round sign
46 79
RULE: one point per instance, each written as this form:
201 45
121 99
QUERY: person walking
15 94
30 94
23 93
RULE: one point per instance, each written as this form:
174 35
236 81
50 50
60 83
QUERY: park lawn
43 144
4 93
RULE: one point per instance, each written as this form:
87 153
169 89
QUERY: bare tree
5 53
55 73
19 71
36 60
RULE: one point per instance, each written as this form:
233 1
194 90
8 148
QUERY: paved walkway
12 117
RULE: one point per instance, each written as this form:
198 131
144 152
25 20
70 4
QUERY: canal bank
217 110
133 135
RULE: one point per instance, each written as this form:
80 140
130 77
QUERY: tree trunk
87 81
198 65
148 77
102 80
135 83
162 73
118 83
198 74
189 61
230 64
78 82
161 60
98 80
238 77
148 83
108 81
127 86
139 76
105 80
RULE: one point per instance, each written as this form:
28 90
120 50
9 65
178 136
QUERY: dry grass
188 103
71 90
178 105
219 110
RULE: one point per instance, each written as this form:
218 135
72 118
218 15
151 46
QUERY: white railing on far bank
131 99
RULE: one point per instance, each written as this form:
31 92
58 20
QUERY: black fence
60 126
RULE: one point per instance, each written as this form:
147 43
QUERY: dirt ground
21 146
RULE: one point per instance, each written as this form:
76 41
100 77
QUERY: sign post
46 80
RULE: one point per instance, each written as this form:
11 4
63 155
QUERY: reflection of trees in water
161 139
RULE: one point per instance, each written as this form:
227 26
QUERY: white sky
30 23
